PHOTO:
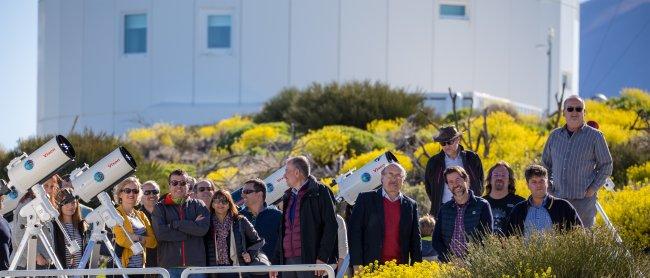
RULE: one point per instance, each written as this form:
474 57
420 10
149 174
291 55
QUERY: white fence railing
82 272
258 268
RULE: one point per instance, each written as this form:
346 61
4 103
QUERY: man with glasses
150 197
265 218
384 223
578 161
180 223
203 190
452 154
500 193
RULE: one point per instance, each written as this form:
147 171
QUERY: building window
219 31
135 33
453 11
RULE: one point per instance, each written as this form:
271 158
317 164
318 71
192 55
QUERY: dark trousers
300 274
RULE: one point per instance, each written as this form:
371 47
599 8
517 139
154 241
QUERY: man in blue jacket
266 219
384 223
463 218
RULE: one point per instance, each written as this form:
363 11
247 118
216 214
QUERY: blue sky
18 30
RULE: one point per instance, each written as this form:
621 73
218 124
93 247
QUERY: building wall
499 49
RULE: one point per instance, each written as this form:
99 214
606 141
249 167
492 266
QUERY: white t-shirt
449 162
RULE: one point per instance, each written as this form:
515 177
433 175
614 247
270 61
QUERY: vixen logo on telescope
29 164
377 168
365 177
99 176
113 163
48 153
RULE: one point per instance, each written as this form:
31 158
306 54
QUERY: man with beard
500 193
465 217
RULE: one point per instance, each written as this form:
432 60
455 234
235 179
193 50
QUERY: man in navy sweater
265 218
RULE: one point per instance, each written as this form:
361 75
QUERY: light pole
549 53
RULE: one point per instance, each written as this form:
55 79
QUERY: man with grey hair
308 230
384 223
578 161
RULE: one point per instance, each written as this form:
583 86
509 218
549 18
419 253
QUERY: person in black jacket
384 223
265 218
452 154
5 240
541 211
466 217
308 232
229 229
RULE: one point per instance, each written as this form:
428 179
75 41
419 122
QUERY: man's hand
273 274
40 260
320 272
200 217
134 237
590 192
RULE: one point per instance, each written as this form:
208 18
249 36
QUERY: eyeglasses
249 191
571 108
151 192
129 190
393 176
203 188
178 183
221 201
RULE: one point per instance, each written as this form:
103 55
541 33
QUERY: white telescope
276 184
89 182
25 170
363 180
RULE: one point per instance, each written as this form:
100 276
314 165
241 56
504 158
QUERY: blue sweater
267 225
477 221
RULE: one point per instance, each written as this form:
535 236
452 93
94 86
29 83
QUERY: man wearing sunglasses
452 154
203 190
150 197
265 218
180 223
578 161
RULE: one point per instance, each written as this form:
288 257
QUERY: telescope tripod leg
50 251
117 260
21 248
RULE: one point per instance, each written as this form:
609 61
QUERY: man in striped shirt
578 161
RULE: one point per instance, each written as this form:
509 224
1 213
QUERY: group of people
196 224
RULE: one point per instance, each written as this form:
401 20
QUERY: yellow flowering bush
222 177
225 126
260 137
166 134
639 174
431 149
385 128
423 269
324 145
359 161
614 123
628 209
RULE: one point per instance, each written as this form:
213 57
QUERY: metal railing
81 272
258 268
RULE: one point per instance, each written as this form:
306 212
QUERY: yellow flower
325 145
222 177
361 160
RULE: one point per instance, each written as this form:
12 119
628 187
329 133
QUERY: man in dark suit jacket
384 223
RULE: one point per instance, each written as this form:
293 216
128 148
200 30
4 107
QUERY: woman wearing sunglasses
128 194
75 227
231 239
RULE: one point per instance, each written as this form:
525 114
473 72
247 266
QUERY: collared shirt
385 194
537 219
576 162
458 244
296 190
449 162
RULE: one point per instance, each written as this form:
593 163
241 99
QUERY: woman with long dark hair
75 227
231 239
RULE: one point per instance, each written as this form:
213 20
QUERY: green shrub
624 156
275 109
362 141
579 253
353 104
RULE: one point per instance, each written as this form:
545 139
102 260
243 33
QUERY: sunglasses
178 183
221 201
151 192
203 188
249 191
450 142
571 108
129 190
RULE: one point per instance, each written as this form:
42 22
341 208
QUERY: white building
118 64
